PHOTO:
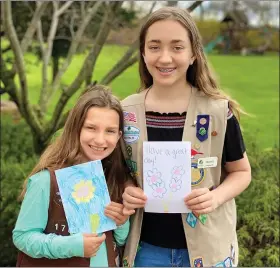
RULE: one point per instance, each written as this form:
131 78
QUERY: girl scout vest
56 215
211 239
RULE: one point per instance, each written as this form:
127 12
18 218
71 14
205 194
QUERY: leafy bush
17 160
258 211
16 139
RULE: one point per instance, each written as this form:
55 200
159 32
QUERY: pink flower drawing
175 185
153 177
177 172
159 189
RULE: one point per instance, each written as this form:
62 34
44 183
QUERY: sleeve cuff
74 245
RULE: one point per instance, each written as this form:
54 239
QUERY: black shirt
166 229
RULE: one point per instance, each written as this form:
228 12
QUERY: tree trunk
55 66
40 144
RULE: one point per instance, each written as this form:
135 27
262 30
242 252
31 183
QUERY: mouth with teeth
97 149
166 70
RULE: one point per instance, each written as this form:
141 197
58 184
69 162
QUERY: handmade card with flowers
84 195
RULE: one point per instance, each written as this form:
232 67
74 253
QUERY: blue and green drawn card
84 196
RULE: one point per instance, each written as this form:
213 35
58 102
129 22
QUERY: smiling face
168 53
100 133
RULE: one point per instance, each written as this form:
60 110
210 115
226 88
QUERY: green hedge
258 206
258 211
17 160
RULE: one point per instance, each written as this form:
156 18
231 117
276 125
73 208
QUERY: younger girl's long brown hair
198 74
65 151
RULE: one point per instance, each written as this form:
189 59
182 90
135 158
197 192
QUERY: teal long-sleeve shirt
28 233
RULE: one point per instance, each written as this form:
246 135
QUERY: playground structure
234 27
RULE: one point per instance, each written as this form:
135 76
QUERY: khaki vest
211 242
57 224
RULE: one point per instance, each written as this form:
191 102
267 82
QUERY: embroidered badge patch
132 165
202 127
191 220
220 264
198 262
197 174
129 150
129 117
202 218
131 134
228 262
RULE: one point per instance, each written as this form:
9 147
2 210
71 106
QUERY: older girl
180 100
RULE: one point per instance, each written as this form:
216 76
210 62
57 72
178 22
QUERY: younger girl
92 131
180 100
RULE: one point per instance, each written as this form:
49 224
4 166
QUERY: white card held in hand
167 176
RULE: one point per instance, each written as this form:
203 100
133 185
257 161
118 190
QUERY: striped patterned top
167 121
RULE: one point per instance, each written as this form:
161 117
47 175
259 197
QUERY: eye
111 131
90 127
178 48
154 47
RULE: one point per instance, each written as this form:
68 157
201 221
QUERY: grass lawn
253 81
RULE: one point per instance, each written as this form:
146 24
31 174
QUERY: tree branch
28 36
44 96
121 65
46 57
24 106
40 38
8 80
74 45
122 61
87 66
117 71
193 6
6 49
62 121
102 35
64 8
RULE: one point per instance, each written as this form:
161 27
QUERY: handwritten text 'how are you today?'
167 176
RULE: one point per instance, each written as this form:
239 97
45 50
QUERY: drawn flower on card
153 176
159 189
177 172
83 191
94 222
175 185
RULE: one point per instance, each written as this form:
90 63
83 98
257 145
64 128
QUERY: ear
120 134
193 58
144 58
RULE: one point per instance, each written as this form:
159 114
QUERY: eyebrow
158 41
93 125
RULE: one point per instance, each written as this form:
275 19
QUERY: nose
99 138
165 57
